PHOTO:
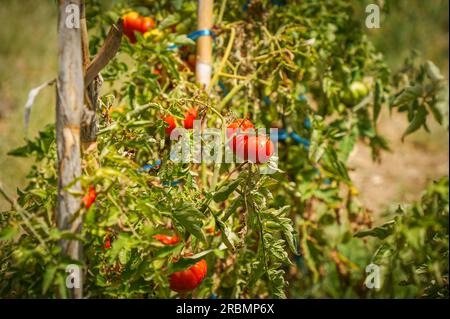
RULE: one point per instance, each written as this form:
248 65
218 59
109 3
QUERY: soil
402 175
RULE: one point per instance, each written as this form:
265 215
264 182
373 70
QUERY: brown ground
403 173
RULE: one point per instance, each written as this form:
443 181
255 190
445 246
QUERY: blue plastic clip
307 123
300 139
150 166
195 35
173 183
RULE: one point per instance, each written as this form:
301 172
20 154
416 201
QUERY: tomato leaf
186 262
225 191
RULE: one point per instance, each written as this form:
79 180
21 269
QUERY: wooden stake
88 133
203 68
69 107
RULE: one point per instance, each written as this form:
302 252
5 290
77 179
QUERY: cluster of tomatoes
255 148
188 122
180 281
188 279
134 22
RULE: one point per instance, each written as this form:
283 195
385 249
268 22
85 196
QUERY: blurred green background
28 57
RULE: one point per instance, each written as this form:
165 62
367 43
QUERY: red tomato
167 240
189 118
257 149
189 279
238 126
90 197
131 23
107 242
147 23
169 119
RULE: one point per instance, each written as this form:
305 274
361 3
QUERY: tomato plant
304 67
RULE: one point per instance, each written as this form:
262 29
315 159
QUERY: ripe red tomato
131 23
90 197
189 279
238 126
257 149
147 23
189 118
242 124
169 119
107 242
167 240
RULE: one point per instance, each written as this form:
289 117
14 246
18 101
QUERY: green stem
221 12
224 60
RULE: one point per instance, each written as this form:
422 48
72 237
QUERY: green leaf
182 40
408 95
380 232
418 120
48 277
8 233
186 262
437 112
433 72
381 253
225 191
124 255
228 237
377 101
191 219
169 21
61 281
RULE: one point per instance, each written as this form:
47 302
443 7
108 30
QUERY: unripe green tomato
355 93
347 98
358 90
341 107
181 28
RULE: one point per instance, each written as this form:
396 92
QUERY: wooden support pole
69 107
203 69
88 133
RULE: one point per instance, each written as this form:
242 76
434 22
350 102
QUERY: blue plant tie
307 123
195 35
266 100
302 98
246 4
173 183
149 166
223 87
201 33
300 139
281 136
